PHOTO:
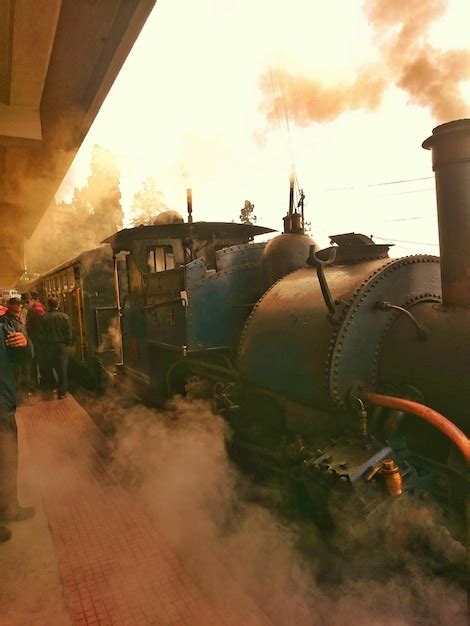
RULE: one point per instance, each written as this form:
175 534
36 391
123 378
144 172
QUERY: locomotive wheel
176 379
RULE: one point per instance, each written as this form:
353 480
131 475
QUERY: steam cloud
308 100
242 555
430 76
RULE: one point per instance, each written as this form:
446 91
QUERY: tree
103 194
147 203
246 213
93 213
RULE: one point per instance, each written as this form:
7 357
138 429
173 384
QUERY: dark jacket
55 328
17 324
8 357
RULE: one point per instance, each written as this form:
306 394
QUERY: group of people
50 335
32 342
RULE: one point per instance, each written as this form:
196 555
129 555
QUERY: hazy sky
188 109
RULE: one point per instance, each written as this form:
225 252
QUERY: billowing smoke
307 99
431 77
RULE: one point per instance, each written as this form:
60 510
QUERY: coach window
70 278
160 259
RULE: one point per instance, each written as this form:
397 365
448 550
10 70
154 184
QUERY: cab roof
123 239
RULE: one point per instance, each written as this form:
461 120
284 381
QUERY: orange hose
448 428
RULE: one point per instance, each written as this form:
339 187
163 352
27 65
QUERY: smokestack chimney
189 198
291 194
450 145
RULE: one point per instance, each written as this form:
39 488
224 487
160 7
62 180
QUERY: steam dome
284 254
168 217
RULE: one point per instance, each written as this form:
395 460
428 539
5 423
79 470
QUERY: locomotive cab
179 277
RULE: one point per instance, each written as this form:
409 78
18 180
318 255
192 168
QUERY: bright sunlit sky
187 106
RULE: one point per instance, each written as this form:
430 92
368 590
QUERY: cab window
160 259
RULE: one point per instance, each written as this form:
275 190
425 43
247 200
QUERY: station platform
92 555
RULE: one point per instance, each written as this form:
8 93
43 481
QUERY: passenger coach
84 286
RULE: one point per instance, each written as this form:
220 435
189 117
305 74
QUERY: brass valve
393 479
360 409
392 476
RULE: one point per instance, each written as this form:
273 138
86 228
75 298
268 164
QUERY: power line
399 182
389 182
282 112
418 243
404 248
339 189
409 219
402 193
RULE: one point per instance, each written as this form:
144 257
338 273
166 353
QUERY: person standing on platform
22 365
33 327
56 335
13 346
13 315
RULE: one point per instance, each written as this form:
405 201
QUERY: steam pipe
450 145
118 307
447 428
189 199
301 205
423 332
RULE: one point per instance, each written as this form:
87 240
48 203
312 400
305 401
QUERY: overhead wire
409 219
280 104
282 116
399 182
402 193
418 243
276 106
389 182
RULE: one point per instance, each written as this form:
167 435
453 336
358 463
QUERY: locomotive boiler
354 349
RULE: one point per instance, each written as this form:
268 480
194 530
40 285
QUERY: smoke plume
308 100
431 77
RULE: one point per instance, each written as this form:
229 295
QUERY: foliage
103 194
246 213
93 213
148 202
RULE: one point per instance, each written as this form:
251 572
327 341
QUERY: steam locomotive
342 372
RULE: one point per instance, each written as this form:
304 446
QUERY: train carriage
85 289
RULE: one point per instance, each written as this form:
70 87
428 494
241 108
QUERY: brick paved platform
91 556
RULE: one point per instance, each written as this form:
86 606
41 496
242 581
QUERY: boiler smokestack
450 145
291 194
189 198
